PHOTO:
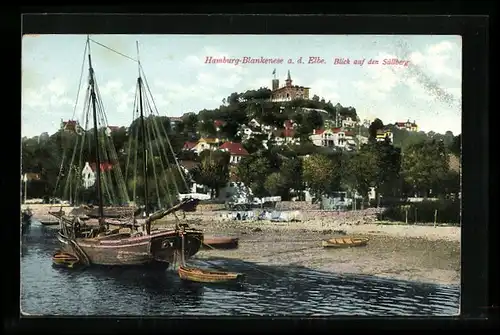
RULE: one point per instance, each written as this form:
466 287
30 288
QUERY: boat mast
143 134
96 139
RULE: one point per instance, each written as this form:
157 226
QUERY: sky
425 89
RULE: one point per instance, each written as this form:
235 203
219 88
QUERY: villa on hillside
235 150
382 134
409 126
175 121
72 126
349 122
334 137
203 143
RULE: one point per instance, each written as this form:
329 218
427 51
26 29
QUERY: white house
254 123
335 137
235 150
349 122
247 132
382 134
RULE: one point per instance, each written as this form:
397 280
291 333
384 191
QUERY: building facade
288 92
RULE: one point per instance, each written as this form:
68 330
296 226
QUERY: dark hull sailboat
127 246
126 249
87 232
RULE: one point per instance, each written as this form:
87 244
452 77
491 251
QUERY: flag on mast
274 72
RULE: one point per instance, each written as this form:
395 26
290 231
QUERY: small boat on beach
344 242
209 276
219 242
49 222
65 259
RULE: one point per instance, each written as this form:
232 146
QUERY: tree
207 128
275 184
361 171
253 171
190 121
291 171
388 167
425 164
212 172
320 173
252 145
375 126
456 145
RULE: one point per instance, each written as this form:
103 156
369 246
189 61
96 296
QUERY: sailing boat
135 243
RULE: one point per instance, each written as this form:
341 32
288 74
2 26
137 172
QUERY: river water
280 291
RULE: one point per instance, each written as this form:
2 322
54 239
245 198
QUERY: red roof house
189 145
235 150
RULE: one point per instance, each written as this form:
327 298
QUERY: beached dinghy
216 242
49 222
344 242
209 276
65 259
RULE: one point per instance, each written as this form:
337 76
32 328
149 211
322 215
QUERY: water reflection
269 290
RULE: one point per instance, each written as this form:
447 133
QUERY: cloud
326 89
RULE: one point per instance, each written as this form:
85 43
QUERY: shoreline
418 253
424 254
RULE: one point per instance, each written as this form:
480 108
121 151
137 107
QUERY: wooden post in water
435 217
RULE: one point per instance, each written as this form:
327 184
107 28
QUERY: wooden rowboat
49 222
65 259
344 242
209 276
215 242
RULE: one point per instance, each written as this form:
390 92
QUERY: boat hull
220 243
345 243
132 251
212 277
49 223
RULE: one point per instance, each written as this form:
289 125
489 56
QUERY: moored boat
344 242
49 222
88 231
219 242
209 276
65 259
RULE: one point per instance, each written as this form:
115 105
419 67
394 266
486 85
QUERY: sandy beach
409 252
417 253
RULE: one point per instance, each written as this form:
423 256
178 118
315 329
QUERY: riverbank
417 253
409 252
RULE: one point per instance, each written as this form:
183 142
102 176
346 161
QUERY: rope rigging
79 147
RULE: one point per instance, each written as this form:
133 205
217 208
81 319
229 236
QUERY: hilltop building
288 92
409 126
